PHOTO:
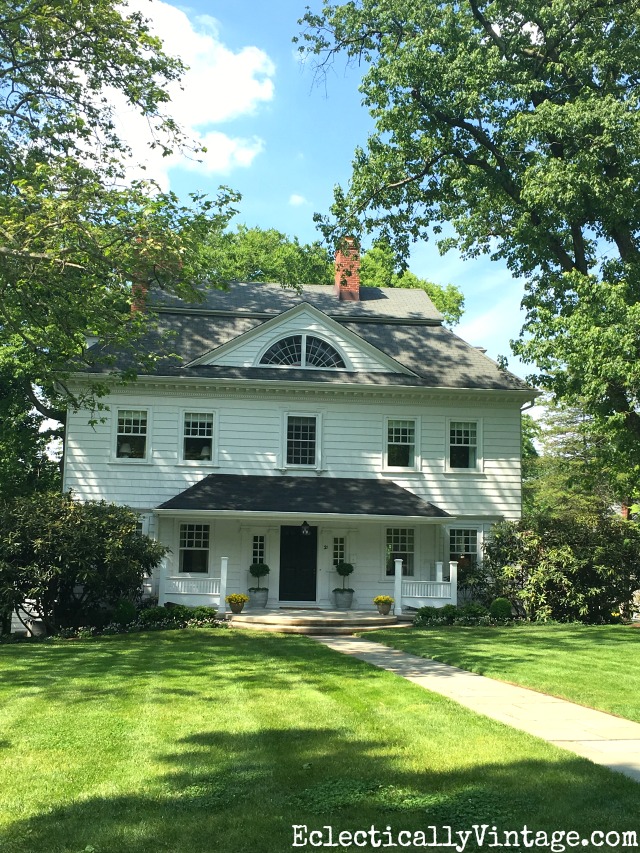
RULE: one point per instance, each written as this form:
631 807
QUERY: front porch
302 528
408 593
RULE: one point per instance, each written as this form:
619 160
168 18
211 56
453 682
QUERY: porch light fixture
305 529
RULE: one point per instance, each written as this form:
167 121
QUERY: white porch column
439 572
162 582
453 577
224 563
397 587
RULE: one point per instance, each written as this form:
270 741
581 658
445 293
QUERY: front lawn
205 740
594 665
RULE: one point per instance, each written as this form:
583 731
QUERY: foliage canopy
76 235
69 559
518 126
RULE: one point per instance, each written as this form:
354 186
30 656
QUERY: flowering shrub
237 598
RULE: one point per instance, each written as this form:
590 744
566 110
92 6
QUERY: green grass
598 666
204 740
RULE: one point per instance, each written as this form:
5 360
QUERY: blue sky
284 139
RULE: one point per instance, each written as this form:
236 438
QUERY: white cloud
219 86
297 200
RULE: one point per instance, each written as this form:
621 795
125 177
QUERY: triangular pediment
247 349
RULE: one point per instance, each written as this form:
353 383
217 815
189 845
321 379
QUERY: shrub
566 569
258 570
427 615
73 561
449 613
500 609
124 612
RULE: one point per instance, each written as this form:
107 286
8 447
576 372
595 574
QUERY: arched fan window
303 351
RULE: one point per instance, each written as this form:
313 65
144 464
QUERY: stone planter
236 606
344 598
384 609
258 597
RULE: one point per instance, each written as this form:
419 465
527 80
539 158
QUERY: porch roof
313 496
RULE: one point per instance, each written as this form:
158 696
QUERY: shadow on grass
244 792
114 667
234 790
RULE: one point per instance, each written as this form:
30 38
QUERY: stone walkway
602 738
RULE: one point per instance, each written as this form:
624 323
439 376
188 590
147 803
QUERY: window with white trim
197 443
463 445
339 554
303 351
463 546
259 549
301 440
194 548
400 546
401 444
131 439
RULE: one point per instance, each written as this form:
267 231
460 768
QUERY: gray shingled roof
272 299
401 323
302 495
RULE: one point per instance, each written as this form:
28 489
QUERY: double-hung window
464 446
464 549
131 439
401 444
400 545
194 548
197 443
301 440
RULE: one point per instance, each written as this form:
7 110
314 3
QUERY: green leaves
519 127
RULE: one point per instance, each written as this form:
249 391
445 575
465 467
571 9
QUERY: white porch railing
419 593
213 587
426 589
192 586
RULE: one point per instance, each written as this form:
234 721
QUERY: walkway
602 738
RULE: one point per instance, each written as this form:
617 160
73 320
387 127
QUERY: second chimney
347 279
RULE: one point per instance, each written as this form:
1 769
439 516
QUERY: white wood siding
248 440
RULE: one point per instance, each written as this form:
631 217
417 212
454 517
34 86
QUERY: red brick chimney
138 296
347 280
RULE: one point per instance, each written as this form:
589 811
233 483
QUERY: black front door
298 563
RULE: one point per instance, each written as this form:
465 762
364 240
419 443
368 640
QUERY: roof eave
302 516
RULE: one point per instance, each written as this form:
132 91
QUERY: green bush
449 613
427 616
566 569
124 612
73 561
500 609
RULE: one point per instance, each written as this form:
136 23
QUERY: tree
566 568
517 125
378 269
25 466
77 239
578 474
68 559
258 254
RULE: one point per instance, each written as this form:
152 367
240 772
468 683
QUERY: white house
305 428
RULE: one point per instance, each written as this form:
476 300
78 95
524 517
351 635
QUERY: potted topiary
237 601
258 594
383 603
344 595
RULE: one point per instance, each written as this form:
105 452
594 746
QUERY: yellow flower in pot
383 603
237 601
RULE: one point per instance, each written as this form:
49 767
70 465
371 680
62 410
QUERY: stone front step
312 621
